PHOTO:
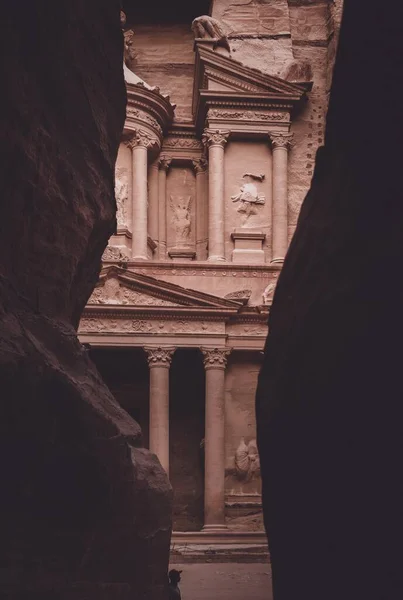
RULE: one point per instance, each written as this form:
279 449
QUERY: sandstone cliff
85 511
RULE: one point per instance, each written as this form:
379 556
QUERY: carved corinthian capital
159 357
164 162
200 165
215 137
281 140
215 358
142 138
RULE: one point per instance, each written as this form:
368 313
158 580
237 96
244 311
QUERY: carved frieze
248 329
247 115
135 113
112 292
153 326
182 142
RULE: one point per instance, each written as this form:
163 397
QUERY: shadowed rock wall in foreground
84 510
330 392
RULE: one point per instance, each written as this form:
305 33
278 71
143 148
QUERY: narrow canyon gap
85 510
330 432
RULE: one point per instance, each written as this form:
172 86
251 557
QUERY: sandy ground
225 581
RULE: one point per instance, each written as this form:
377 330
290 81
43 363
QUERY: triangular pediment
219 78
119 287
215 71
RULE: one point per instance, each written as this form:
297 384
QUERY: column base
140 258
214 528
217 259
277 261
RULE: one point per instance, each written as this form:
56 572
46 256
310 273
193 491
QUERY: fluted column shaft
215 141
280 143
139 144
200 167
215 361
164 164
159 360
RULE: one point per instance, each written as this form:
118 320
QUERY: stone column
215 361
153 208
159 361
139 143
215 141
200 167
164 164
280 143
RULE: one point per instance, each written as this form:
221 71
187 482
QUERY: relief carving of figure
249 197
180 206
206 27
121 195
268 293
247 462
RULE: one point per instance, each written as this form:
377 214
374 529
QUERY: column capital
158 356
281 140
215 358
215 137
164 162
199 165
143 139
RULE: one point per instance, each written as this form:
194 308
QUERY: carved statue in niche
247 462
121 195
128 39
205 27
249 197
180 206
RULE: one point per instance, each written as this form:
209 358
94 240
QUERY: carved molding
215 358
215 137
158 356
281 140
200 165
143 139
250 115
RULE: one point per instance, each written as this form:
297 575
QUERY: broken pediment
119 287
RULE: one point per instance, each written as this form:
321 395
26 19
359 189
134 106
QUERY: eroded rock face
330 391
85 511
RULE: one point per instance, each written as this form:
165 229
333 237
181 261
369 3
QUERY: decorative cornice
281 140
215 358
164 162
143 139
215 137
158 356
247 115
200 165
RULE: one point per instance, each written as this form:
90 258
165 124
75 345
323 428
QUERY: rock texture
329 395
85 511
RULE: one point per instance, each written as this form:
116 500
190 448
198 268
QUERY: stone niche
248 176
181 213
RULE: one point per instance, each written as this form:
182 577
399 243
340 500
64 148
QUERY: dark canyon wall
329 399
84 510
